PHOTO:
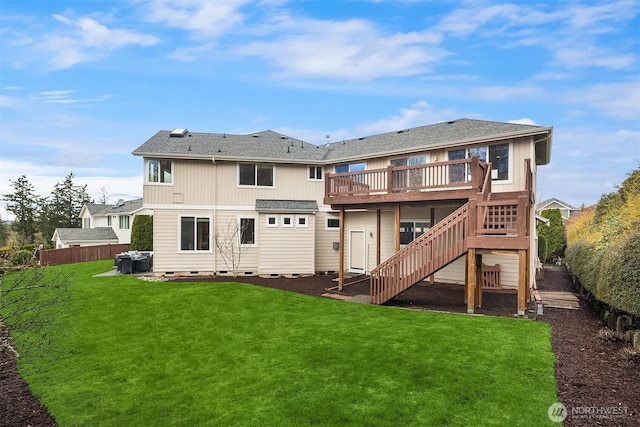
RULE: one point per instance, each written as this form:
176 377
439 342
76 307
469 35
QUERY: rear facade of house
437 201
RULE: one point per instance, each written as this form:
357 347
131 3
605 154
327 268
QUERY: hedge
619 278
142 233
584 261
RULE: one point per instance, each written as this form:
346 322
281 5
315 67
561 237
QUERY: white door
356 254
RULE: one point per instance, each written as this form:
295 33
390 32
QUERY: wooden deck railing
483 222
431 251
464 173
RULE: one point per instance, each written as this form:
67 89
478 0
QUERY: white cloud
85 39
353 48
204 18
418 114
523 121
616 100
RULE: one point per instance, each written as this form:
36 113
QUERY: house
118 217
67 237
566 210
440 201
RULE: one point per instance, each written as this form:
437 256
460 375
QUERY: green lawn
156 353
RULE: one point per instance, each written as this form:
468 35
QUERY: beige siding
327 259
455 272
286 250
290 183
226 224
166 254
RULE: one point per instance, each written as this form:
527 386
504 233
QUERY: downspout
215 216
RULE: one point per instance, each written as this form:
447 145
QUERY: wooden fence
80 254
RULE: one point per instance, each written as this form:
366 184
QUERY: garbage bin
126 265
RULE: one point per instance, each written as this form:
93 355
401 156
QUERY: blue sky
84 83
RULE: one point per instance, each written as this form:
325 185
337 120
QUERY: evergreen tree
4 233
62 208
23 204
553 234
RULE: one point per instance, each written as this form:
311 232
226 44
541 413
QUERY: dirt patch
592 377
18 407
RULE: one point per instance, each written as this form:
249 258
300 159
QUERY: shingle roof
128 206
263 205
86 234
276 147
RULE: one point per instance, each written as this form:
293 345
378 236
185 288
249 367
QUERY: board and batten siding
167 256
327 259
286 250
455 272
290 183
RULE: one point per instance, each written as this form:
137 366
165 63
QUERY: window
499 158
411 230
333 223
498 155
315 173
302 221
247 231
194 233
256 175
287 221
86 222
351 167
109 220
159 171
272 221
408 177
124 222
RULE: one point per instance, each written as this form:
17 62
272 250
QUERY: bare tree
31 301
104 196
228 241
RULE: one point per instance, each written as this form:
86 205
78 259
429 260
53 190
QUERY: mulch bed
592 375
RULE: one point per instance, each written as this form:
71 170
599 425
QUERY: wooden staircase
433 250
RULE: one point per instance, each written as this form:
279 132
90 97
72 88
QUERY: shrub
21 257
619 278
584 261
543 251
553 233
142 233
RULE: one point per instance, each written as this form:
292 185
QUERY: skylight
178 133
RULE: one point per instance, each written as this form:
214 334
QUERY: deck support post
397 228
341 250
471 279
523 280
378 232
479 281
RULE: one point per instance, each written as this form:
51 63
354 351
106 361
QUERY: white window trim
255 164
326 223
255 231
291 219
266 221
306 221
494 181
211 232
315 179
146 174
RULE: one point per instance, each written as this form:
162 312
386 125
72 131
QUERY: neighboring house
118 216
67 237
566 210
434 201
